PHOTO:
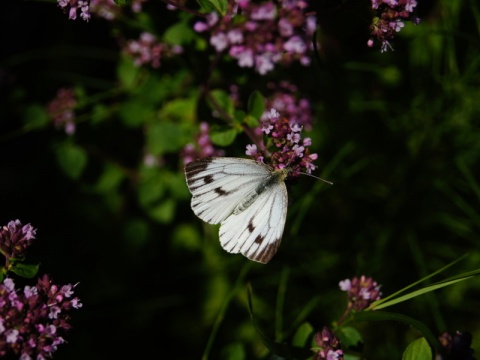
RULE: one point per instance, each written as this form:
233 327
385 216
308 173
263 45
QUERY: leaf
121 2
110 179
418 350
35 117
151 187
304 335
383 316
72 159
127 72
256 104
234 351
382 303
349 336
163 212
163 137
221 102
180 33
223 138
25 270
135 114
219 6
449 281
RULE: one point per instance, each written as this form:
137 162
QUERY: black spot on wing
221 192
208 179
259 239
250 226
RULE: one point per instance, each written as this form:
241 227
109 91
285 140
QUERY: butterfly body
249 199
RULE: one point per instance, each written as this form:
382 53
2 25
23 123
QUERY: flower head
34 321
456 346
329 346
148 50
388 20
291 150
73 6
362 291
108 10
15 238
261 35
60 110
285 99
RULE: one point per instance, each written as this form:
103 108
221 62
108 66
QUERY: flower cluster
33 321
108 10
202 148
293 151
72 7
15 238
262 35
60 109
361 292
148 50
285 100
456 347
389 18
329 346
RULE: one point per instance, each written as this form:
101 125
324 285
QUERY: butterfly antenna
316 177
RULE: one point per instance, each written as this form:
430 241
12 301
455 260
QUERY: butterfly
248 198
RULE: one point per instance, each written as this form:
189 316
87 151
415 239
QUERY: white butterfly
248 198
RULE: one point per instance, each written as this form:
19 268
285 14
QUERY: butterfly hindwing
256 232
218 185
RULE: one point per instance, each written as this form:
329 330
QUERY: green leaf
164 212
303 336
219 6
180 33
127 73
221 102
121 2
110 179
151 187
163 137
349 336
251 121
382 303
418 350
25 270
256 104
234 351
383 316
135 114
35 117
224 137
72 159
179 109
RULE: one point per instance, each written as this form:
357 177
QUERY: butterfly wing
219 184
256 232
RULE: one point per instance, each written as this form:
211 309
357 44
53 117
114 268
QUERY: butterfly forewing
218 185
